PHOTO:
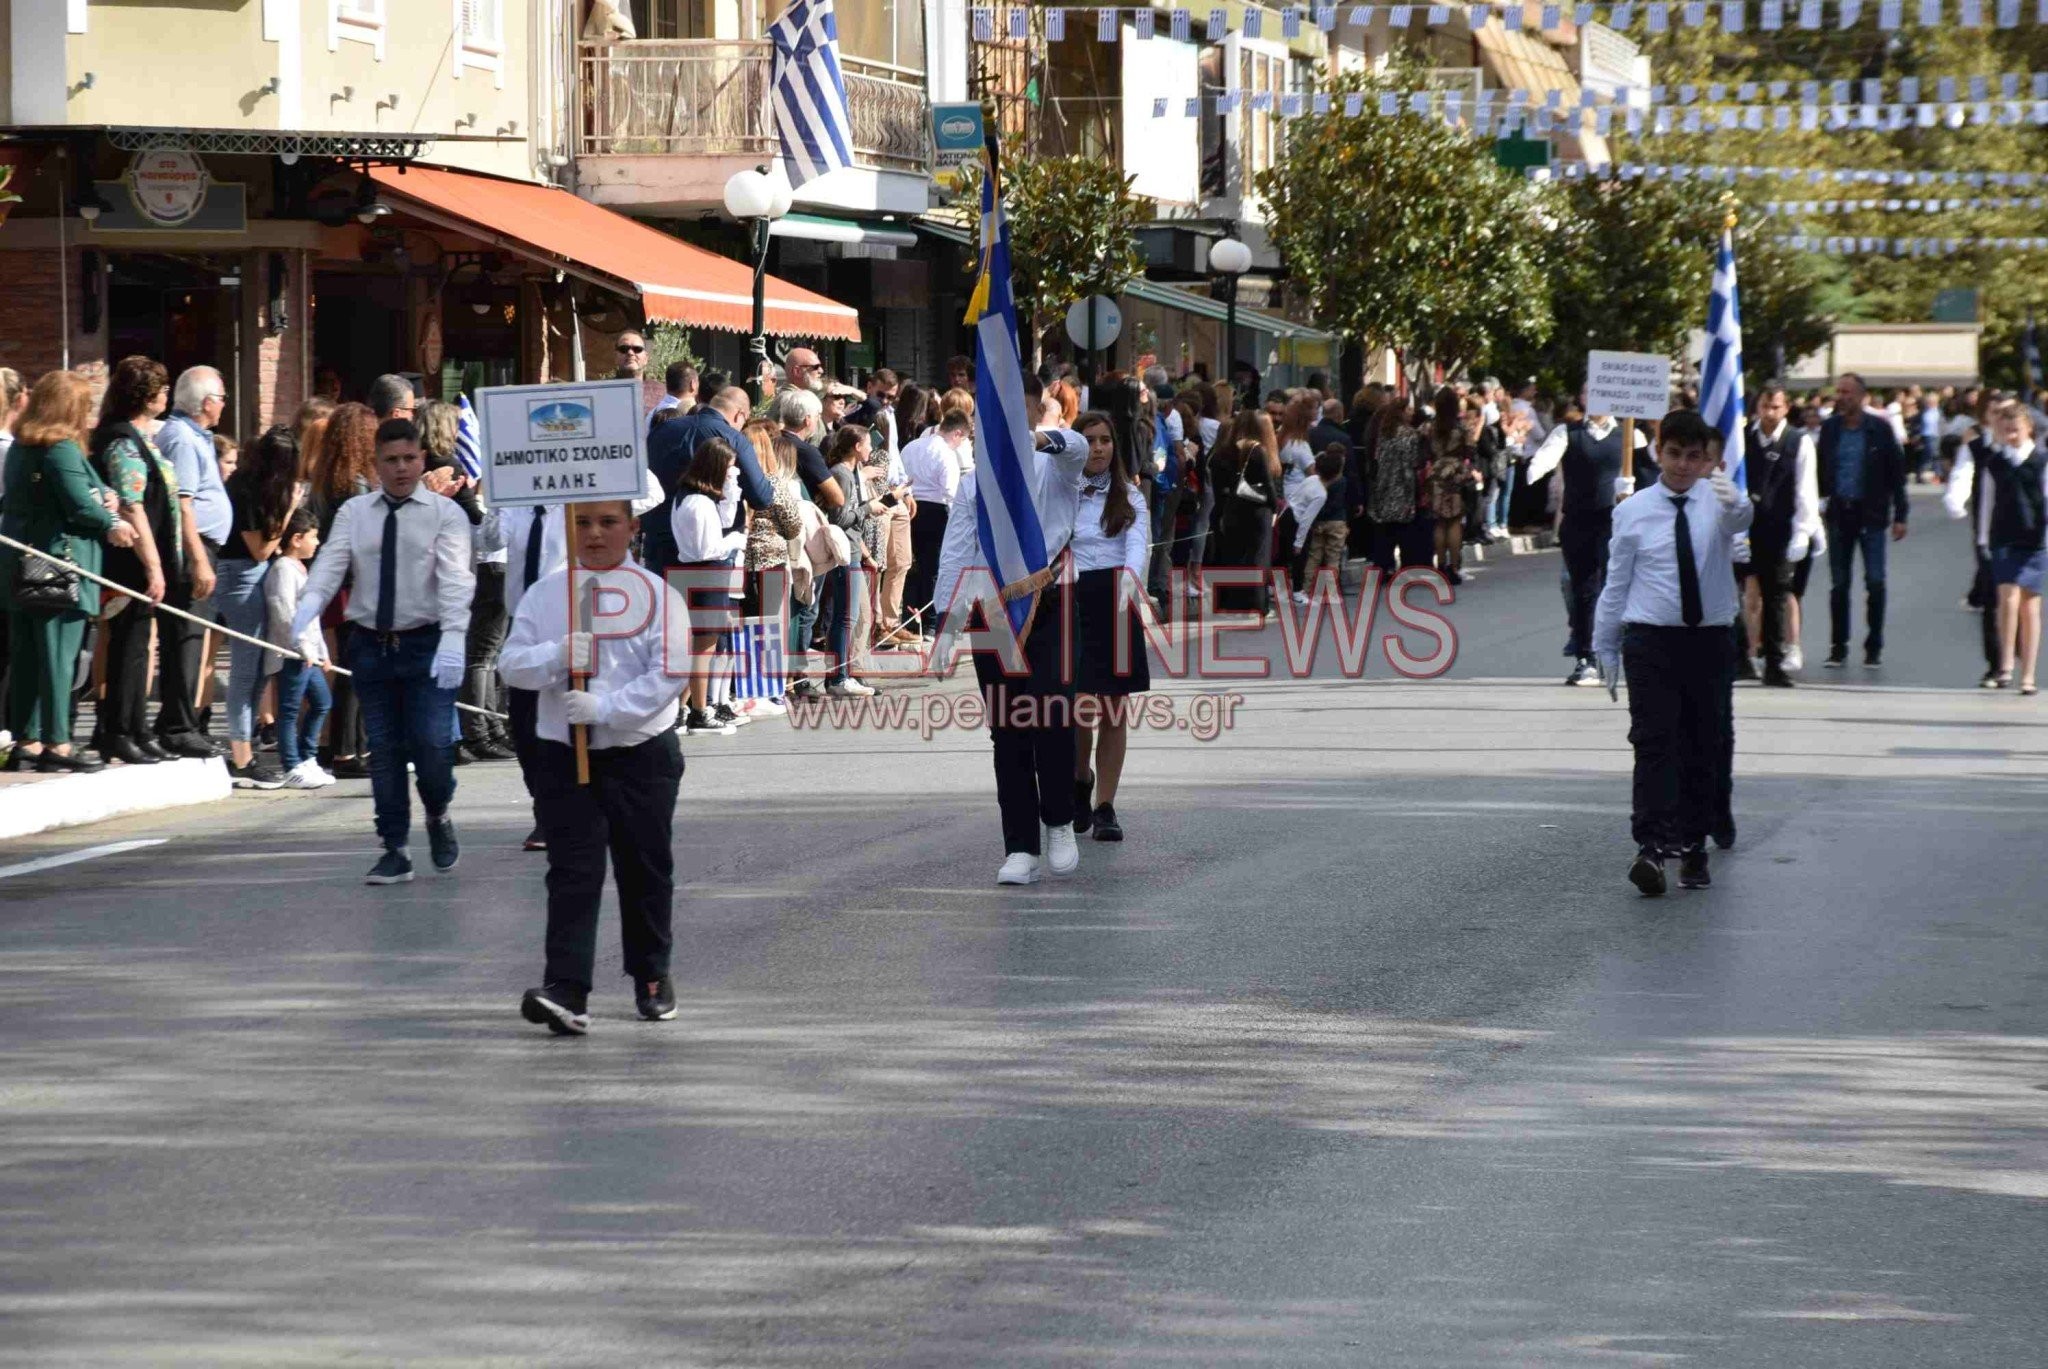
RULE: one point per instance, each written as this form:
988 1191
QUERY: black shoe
1454 577
1873 658
441 843
1084 797
150 746
349 768
563 1008
1647 874
266 737
257 774
461 755
18 760
534 841
189 744
79 762
698 723
1838 658
1992 679
655 998
128 753
1724 836
494 750
1745 668
1584 673
1776 678
394 868
1692 868
1106 826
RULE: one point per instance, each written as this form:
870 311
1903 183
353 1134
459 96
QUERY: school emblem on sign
560 420
168 185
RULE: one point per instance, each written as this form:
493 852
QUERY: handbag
45 586
1252 494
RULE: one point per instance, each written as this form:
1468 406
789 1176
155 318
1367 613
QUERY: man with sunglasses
632 350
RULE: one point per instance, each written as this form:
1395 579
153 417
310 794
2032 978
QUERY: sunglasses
625 348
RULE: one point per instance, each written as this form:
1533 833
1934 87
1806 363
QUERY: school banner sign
562 444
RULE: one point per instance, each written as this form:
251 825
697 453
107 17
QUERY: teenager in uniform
1589 453
2009 478
1975 447
408 551
1031 715
628 808
1663 618
1779 463
1112 544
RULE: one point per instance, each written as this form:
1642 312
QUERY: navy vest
1591 466
1773 474
2019 512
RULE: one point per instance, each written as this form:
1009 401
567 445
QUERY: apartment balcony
663 122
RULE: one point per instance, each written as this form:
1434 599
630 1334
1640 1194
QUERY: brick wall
31 295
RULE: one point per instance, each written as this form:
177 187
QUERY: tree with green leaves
1402 231
1073 232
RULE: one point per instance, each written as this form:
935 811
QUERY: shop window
359 21
480 38
884 33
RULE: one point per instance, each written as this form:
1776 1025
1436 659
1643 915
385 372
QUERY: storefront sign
562 444
168 185
956 135
1628 385
225 211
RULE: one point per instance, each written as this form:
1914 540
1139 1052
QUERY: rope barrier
140 597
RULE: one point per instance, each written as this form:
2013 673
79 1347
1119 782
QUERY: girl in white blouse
1112 543
704 544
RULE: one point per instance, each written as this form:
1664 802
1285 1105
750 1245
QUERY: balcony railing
709 97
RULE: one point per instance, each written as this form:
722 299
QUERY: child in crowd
227 454
302 694
1319 526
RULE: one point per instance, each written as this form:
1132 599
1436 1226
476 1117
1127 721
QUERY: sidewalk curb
1515 544
42 805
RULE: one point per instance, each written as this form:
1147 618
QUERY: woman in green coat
56 502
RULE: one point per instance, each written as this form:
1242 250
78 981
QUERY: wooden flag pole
578 620
1628 448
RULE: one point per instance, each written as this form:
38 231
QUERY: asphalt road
1359 1052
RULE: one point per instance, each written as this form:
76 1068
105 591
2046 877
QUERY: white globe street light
757 196
1229 258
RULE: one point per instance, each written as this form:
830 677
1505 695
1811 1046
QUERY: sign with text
1628 384
562 444
956 134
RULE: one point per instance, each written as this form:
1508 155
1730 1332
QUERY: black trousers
1031 719
1985 592
178 646
1773 575
1583 538
927 536
488 624
1680 725
628 811
125 711
520 706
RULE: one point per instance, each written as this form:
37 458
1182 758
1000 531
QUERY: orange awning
678 282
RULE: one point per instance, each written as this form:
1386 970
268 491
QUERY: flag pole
578 679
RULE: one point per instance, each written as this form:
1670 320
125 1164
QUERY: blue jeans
1845 535
238 597
837 592
298 732
1198 535
407 717
802 619
1503 491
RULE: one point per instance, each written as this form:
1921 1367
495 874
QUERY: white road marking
30 867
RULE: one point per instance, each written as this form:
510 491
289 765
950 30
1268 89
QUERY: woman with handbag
57 503
1245 471
264 493
146 485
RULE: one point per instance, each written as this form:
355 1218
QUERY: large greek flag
469 440
808 92
1721 377
1012 541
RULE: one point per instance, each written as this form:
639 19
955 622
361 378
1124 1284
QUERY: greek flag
469 440
1721 377
1012 541
808 92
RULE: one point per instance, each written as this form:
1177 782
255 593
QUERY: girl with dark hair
264 494
1453 450
1399 457
845 587
1245 471
1111 546
146 484
703 544
345 467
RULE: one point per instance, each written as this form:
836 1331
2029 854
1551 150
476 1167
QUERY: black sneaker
655 998
1692 868
1106 826
1584 673
1838 658
563 1008
394 868
725 715
349 768
1873 658
461 754
1084 814
494 750
1776 678
442 844
1745 668
190 745
534 841
1724 835
1647 874
257 774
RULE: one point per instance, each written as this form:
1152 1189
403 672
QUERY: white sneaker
765 708
307 775
1300 599
1062 855
327 776
1795 659
849 688
1194 591
1019 868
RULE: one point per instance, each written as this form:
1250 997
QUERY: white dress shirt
1307 501
1297 459
518 524
1642 561
1963 479
1095 549
699 529
1552 449
637 680
933 468
435 579
1055 491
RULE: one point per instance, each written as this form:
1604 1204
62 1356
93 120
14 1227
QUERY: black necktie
1688 572
533 537
387 568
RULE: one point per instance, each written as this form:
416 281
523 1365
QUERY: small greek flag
808 93
469 440
1721 376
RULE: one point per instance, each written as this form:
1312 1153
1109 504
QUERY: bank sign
562 444
956 134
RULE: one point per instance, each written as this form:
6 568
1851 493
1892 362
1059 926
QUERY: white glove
1738 550
583 708
308 614
581 650
1610 671
1624 486
1725 491
449 667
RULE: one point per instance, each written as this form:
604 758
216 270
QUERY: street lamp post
1229 258
758 197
